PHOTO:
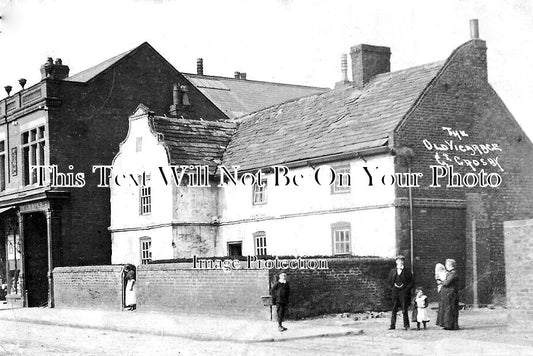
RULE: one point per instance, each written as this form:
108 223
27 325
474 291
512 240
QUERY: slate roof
237 97
92 72
337 121
194 142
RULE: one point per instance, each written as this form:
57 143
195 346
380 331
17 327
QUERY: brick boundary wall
174 287
519 273
88 287
349 285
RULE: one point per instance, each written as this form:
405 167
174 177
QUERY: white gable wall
127 224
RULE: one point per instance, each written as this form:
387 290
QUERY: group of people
401 282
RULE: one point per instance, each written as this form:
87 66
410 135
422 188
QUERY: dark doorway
234 249
36 259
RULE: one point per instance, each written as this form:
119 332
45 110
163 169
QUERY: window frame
260 190
260 236
145 196
341 168
34 146
341 227
142 241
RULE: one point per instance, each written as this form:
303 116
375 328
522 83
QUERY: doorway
36 259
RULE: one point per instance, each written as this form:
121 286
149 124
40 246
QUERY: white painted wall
127 224
126 245
125 204
297 220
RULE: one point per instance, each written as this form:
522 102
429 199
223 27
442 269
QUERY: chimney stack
367 62
474 29
237 75
200 66
243 75
56 70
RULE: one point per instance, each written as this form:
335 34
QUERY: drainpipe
411 234
408 154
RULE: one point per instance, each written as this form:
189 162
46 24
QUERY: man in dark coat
280 297
401 282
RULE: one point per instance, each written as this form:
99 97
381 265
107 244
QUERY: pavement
483 331
194 327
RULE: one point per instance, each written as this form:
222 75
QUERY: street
484 332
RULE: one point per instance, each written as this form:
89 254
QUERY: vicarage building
380 120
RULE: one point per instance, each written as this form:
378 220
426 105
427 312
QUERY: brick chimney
367 62
57 70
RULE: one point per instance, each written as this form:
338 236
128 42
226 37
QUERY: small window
259 193
342 238
146 250
260 242
342 180
145 196
235 249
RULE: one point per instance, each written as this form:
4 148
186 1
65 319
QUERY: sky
288 41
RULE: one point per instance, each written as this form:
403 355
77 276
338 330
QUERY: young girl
421 304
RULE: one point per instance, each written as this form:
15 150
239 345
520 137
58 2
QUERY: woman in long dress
131 299
449 297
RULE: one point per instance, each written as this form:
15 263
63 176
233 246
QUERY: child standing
280 297
421 304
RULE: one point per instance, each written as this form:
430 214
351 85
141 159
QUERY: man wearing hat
401 282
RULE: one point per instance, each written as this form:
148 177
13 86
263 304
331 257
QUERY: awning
3 210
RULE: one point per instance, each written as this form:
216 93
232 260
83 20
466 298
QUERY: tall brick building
429 121
76 122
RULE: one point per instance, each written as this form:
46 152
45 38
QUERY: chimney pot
22 82
344 67
367 62
200 66
474 29
57 70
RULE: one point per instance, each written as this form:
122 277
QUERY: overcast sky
280 40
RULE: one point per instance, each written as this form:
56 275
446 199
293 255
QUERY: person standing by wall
401 283
449 297
280 297
131 298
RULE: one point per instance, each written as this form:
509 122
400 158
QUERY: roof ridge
204 122
252 81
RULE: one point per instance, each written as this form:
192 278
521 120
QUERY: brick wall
461 98
171 287
349 285
519 273
86 128
88 287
